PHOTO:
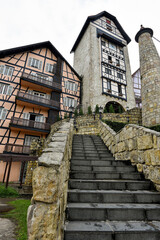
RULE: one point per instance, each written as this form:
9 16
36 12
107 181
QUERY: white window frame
36 63
3 113
6 70
5 89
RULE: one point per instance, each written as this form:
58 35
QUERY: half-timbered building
37 86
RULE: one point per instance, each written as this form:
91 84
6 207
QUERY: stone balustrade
46 213
139 145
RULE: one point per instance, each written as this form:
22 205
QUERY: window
112 46
103 43
69 102
71 86
39 94
33 62
110 59
5 89
3 113
121 51
51 68
119 89
109 85
28 140
6 70
117 62
108 21
108 71
120 75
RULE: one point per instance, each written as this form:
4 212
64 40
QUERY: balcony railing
42 80
14 148
30 123
38 100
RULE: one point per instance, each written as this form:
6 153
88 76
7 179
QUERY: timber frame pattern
35 92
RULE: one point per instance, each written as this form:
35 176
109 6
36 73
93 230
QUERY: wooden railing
14 148
30 123
42 79
39 100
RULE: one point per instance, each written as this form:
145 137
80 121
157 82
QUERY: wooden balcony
17 149
33 99
29 124
43 81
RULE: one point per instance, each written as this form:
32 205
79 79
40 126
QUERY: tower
150 77
101 57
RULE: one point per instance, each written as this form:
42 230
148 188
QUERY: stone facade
46 213
150 77
87 62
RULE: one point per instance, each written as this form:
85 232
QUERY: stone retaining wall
139 145
46 213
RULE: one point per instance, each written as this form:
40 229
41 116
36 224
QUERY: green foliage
58 118
104 110
89 110
80 112
8 192
120 109
65 116
97 109
76 113
111 109
19 213
155 128
116 126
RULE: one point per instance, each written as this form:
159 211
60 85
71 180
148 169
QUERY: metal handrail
42 79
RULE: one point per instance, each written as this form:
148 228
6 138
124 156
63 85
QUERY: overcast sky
25 22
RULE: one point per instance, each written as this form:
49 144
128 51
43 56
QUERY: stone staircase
108 199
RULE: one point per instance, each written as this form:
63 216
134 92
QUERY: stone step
104 175
109 184
100 163
102 168
113 212
113 196
112 230
92 158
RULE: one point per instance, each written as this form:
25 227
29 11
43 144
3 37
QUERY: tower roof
95 17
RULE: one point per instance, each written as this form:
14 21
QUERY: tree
89 110
111 109
97 109
80 112
76 113
105 110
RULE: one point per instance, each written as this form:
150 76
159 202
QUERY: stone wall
36 150
139 145
46 213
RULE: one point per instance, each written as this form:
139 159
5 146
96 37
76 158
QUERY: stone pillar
150 77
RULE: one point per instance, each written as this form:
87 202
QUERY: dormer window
108 21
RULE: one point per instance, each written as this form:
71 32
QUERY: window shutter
4 113
47 67
75 103
9 90
64 101
26 116
76 87
29 61
10 72
39 65
1 69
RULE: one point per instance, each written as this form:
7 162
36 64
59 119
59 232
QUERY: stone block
132 144
121 146
45 184
49 159
144 142
134 156
140 167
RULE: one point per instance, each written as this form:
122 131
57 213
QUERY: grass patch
116 126
8 192
19 213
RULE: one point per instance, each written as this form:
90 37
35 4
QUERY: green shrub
155 128
97 109
76 113
8 192
58 118
104 110
80 112
116 126
65 115
111 109
89 110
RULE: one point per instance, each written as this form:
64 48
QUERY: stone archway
114 107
